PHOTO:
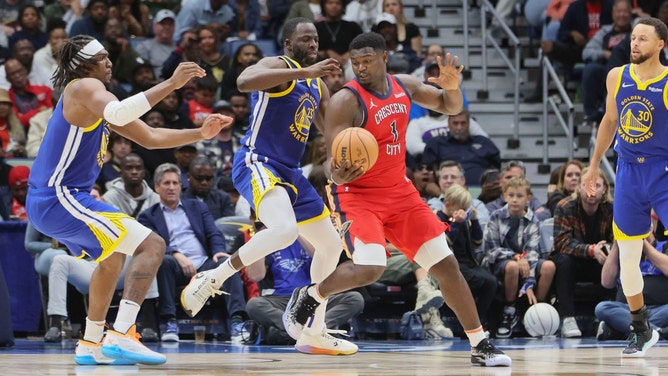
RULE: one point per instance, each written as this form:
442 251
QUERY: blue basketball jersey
280 122
69 156
642 107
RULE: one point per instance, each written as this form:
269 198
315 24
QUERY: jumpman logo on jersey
371 104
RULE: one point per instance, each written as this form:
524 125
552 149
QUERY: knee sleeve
629 269
432 251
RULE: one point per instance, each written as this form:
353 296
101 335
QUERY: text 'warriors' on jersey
386 117
280 122
642 111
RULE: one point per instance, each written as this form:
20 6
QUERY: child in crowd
201 105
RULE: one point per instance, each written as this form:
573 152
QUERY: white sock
127 315
475 336
94 331
223 271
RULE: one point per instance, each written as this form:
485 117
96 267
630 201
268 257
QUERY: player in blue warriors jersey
59 203
288 96
635 116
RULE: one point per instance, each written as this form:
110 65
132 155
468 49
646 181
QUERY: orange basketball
355 144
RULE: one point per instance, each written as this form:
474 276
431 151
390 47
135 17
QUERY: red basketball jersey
386 117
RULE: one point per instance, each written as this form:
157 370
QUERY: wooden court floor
530 357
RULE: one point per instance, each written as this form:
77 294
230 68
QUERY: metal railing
514 66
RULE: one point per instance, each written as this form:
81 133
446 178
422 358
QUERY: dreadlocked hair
71 63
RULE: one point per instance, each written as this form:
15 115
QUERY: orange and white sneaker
90 354
127 347
324 344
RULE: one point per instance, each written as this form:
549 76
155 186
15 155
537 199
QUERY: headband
91 49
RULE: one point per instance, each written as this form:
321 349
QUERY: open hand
448 78
185 72
214 123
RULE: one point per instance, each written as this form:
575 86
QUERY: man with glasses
510 170
201 178
194 244
27 100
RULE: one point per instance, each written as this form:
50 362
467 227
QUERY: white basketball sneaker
127 347
324 344
202 286
90 354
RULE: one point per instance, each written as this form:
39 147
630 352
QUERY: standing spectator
465 238
509 170
133 14
156 50
201 178
363 13
582 237
28 100
194 244
194 14
568 182
93 23
596 54
512 242
475 153
335 33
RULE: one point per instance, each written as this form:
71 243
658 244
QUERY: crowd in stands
496 235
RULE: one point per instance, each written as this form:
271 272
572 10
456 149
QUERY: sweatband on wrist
127 110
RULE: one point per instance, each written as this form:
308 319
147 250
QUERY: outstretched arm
272 73
448 99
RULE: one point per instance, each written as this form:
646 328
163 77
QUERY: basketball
541 319
356 145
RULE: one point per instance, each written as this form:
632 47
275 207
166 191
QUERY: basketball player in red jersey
382 203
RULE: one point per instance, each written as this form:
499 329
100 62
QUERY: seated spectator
475 153
157 49
241 106
56 34
465 238
422 176
221 148
362 12
452 173
30 23
12 133
316 153
194 14
595 55
247 23
546 15
241 205
430 68
97 13
512 251
201 179
18 184
387 27
552 183
118 147
27 99
278 274
67 11
77 272
335 34
509 170
434 124
133 14
186 50
615 321
408 33
9 15
129 192
173 111
490 187
582 236
24 52
210 56
194 244
201 106
245 56
184 155
5 192
155 157
42 248
143 77
568 182
121 54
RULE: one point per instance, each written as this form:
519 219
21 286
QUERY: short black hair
291 25
373 40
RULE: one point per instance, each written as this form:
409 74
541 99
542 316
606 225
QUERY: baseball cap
386 17
222 104
18 175
186 146
163 14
